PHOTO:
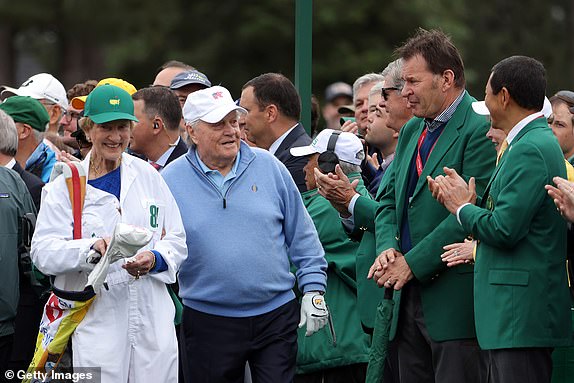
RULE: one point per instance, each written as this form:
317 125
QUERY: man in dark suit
433 320
521 298
156 135
272 121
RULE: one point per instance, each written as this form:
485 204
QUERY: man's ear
504 97
272 112
191 133
55 113
447 79
157 125
24 131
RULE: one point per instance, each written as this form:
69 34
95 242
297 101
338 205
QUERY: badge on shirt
155 213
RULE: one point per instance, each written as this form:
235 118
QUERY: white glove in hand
313 312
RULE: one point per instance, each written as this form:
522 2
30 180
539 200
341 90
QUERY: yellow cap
78 102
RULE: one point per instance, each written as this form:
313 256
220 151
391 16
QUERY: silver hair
364 80
349 168
393 75
376 89
38 136
9 134
193 125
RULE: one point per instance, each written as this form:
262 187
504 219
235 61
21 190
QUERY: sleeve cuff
349 222
313 287
458 212
160 264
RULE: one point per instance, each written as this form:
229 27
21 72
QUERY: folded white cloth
125 241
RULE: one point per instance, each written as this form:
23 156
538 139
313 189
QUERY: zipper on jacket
224 196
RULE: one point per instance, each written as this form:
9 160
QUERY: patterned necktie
156 165
503 147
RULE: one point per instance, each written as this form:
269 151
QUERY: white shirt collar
521 124
163 158
10 164
274 146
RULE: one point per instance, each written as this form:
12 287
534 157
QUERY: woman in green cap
128 331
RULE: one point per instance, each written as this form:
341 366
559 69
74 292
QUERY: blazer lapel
402 170
179 150
290 139
445 141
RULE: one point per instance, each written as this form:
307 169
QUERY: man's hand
382 263
337 189
390 269
391 274
563 196
451 190
350 126
313 312
373 160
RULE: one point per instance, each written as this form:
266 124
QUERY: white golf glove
313 312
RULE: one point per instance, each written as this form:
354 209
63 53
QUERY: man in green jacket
435 337
521 298
357 211
319 359
15 203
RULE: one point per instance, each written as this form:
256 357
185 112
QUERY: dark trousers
520 365
6 343
217 347
422 360
352 373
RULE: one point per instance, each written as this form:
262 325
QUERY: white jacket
131 324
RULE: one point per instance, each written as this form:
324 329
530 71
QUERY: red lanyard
419 161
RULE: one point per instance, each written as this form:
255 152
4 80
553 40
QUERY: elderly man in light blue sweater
245 221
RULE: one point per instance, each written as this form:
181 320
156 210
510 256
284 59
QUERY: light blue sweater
240 242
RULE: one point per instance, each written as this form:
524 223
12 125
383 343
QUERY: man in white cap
49 91
245 221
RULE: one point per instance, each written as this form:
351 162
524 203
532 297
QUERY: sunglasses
385 92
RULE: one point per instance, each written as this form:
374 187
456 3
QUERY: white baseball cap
348 147
40 86
480 108
209 105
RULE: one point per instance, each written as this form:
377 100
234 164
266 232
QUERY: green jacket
446 293
521 295
317 352
15 202
368 293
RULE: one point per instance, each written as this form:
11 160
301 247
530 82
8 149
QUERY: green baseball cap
26 110
109 103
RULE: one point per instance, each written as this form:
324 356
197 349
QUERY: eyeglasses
46 103
385 92
68 115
